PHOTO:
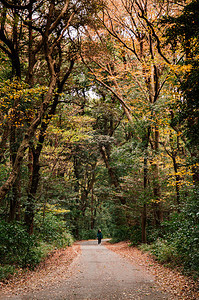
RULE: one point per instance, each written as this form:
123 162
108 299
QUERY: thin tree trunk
157 207
111 172
3 143
14 213
144 209
30 206
31 55
15 138
92 209
195 168
177 180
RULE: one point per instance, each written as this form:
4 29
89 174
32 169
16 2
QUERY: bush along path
89 271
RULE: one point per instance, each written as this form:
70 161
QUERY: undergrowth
178 245
18 249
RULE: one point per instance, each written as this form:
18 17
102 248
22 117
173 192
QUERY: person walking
99 236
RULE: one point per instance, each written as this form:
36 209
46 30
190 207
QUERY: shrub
119 229
17 246
65 239
89 234
52 229
183 232
163 251
135 235
181 238
6 271
19 249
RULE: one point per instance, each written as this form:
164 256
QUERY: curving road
99 273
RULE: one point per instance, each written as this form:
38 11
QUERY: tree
49 44
122 55
183 32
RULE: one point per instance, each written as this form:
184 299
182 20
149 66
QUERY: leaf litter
170 280
53 270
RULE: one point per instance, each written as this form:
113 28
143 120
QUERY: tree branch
9 4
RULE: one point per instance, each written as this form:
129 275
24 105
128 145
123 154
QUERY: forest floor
64 271
172 280
50 271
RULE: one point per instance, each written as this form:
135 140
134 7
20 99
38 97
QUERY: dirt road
99 273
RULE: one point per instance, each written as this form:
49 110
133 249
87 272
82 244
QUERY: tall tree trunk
177 180
195 168
3 142
157 207
14 213
35 168
113 177
92 209
30 206
31 54
76 190
15 138
144 209
145 141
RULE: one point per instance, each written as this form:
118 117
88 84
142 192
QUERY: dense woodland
99 109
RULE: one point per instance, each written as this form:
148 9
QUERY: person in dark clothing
99 236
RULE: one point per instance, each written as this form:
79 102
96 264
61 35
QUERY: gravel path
99 273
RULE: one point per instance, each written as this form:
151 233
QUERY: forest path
99 273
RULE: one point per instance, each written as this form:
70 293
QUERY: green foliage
17 246
190 108
52 229
45 249
3 173
19 249
136 235
145 247
183 232
120 231
154 234
181 238
184 29
5 67
6 271
88 234
164 251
